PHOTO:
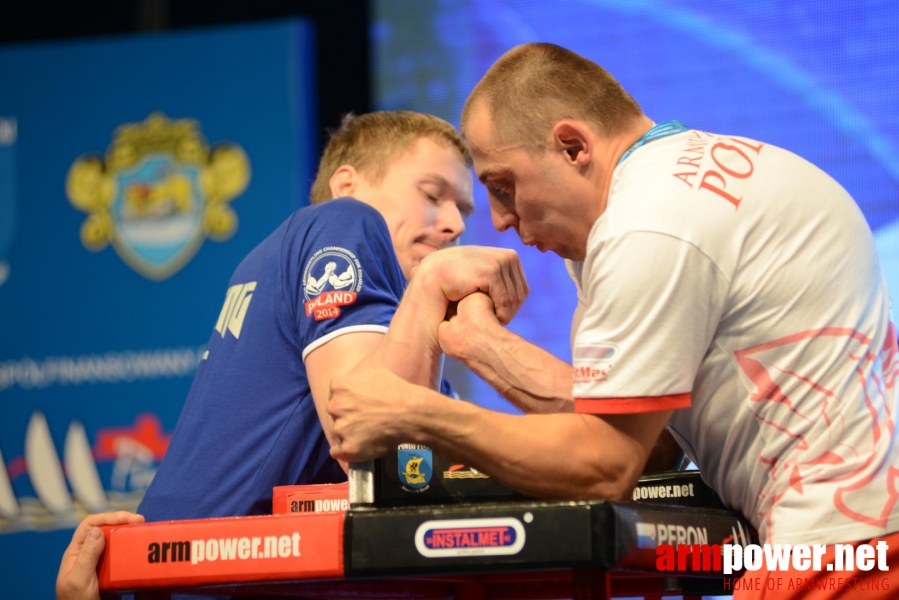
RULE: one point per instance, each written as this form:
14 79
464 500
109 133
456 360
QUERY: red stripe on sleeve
624 406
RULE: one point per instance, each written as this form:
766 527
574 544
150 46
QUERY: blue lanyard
658 131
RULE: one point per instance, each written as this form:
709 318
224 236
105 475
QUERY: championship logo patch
468 537
332 278
156 195
415 467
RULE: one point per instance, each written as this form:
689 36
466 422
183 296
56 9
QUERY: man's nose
450 221
503 219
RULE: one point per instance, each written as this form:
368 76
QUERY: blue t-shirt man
249 422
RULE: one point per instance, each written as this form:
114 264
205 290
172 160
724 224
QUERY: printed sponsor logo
595 352
415 467
234 311
321 505
470 537
156 195
598 359
332 279
651 535
232 548
653 492
591 374
464 472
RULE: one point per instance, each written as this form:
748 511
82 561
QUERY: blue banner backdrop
135 173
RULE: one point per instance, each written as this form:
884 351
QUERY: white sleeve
653 303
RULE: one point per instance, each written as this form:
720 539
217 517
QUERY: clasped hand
373 409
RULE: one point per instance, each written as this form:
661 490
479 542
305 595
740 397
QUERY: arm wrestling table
472 549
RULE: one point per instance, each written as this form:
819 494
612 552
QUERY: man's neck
615 149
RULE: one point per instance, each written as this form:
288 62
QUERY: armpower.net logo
225 549
222 551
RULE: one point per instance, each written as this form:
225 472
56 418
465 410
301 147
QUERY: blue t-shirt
249 422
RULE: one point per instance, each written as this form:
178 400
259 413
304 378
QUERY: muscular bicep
334 358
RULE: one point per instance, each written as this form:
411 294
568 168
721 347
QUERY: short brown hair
371 141
532 86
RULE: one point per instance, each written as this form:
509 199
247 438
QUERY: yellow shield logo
158 193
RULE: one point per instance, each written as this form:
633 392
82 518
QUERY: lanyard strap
658 131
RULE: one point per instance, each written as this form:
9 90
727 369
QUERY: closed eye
500 190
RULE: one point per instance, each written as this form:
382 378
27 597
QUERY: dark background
342 29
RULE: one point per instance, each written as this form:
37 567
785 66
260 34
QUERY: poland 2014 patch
332 278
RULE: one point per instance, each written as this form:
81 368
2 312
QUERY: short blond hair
371 141
533 86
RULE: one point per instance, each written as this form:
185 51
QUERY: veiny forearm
529 377
566 456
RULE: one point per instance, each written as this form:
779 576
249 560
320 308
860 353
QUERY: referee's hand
77 579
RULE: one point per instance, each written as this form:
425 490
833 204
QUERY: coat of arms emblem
158 193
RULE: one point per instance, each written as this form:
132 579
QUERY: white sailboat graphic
44 468
81 469
9 506
53 505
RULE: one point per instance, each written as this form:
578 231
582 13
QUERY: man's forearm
410 348
547 456
666 455
529 377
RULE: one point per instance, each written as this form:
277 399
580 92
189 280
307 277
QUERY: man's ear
344 181
575 140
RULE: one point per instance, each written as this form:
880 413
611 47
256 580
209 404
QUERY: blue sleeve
349 277
446 389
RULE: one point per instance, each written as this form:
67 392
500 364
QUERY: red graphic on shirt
731 161
327 305
815 430
588 374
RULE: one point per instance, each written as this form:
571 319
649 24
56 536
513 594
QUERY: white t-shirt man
738 283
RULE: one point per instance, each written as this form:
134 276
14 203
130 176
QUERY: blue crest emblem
415 467
156 213
158 193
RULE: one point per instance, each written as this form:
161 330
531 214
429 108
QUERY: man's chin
568 254
543 249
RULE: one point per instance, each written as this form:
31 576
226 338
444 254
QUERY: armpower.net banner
222 551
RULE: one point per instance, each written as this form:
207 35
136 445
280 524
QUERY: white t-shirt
738 283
